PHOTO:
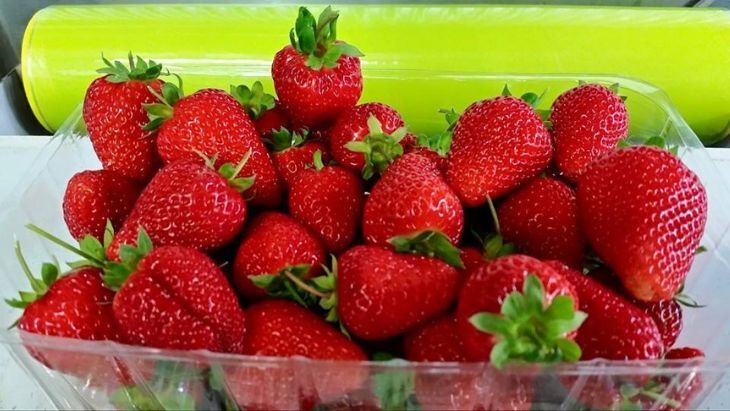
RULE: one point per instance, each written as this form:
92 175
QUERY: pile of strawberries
311 225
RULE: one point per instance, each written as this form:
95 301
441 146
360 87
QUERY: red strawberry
316 77
541 219
643 212
615 328
411 197
497 145
267 114
435 147
275 242
187 204
293 153
587 122
367 138
114 116
682 387
436 340
472 258
94 197
213 123
486 292
381 294
176 297
328 200
684 353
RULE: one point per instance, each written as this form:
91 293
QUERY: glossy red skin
293 160
329 203
93 197
315 98
114 118
497 145
352 126
472 258
185 204
684 353
488 285
272 120
437 340
272 242
212 122
178 298
587 122
441 162
615 329
411 196
644 213
541 219
381 293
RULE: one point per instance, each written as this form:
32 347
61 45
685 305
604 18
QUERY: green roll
683 51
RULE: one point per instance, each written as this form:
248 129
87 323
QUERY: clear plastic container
90 375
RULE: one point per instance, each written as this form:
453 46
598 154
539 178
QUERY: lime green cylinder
684 51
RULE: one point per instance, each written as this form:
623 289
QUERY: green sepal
283 139
89 248
650 394
533 99
395 388
116 273
493 246
39 285
317 39
159 112
430 243
379 148
506 91
441 142
327 284
217 384
686 299
137 70
253 99
230 173
526 331
701 249
317 162
281 284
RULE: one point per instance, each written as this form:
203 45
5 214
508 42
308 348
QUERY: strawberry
381 294
316 77
94 197
115 117
267 114
367 138
587 122
160 301
541 219
411 197
684 353
436 340
213 123
275 243
472 258
187 204
497 145
292 153
644 213
272 120
548 301
435 147
328 200
615 329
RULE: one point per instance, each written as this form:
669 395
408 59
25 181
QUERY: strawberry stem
50 237
493 212
304 286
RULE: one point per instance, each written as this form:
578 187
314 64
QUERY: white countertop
19 392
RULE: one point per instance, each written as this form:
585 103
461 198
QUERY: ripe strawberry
436 340
497 145
316 77
175 297
293 152
643 212
267 114
472 258
367 138
213 123
328 200
114 116
187 204
494 287
272 244
411 197
615 329
94 197
684 353
587 122
272 120
381 294
541 219
435 147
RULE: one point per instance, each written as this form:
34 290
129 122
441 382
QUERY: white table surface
19 392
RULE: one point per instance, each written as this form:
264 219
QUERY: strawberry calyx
253 99
317 39
429 243
116 273
440 143
317 162
283 139
527 331
287 283
636 398
494 245
159 112
39 285
230 172
534 100
379 148
686 300
140 70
